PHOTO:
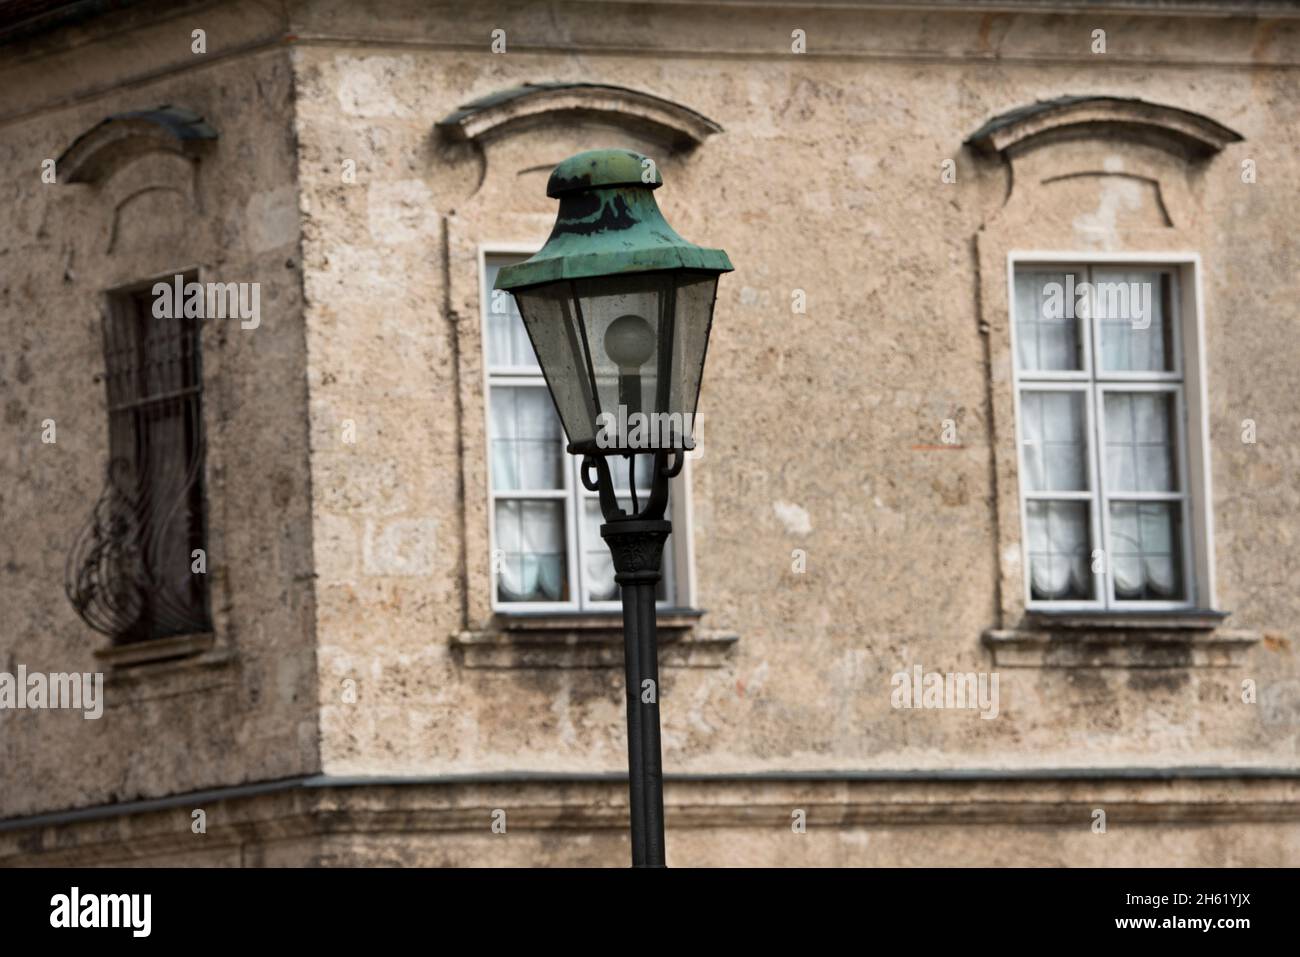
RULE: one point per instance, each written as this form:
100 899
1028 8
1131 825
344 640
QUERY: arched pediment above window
532 104
120 138
1072 116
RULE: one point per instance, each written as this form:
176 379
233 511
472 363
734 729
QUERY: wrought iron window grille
131 572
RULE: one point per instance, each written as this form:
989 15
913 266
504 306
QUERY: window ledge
587 641
1174 639
162 653
1192 619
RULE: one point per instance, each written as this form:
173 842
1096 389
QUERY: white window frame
678 563
1187 382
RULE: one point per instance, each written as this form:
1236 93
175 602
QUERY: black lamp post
618 308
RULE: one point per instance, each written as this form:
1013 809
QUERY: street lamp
618 308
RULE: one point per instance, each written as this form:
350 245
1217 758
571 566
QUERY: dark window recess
131 574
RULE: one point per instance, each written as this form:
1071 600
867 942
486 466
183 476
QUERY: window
547 553
132 575
1106 488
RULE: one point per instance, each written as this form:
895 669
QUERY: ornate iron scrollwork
130 573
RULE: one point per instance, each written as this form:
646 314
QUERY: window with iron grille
138 570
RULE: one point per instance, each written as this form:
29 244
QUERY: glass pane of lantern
624 321
549 316
620 471
695 297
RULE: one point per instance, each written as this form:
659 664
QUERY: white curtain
1145 545
1059 550
1133 342
508 345
527 446
530 535
527 456
1044 343
1139 442
597 564
1054 425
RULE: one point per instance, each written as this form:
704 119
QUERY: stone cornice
102 149
259 816
520 107
1022 127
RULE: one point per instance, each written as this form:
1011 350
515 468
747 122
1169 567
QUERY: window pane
507 339
1146 551
1136 334
1055 443
527 443
531 564
1059 551
618 471
1140 442
1047 333
598 564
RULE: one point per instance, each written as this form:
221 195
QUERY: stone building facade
907 464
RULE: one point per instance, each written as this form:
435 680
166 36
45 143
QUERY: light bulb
629 341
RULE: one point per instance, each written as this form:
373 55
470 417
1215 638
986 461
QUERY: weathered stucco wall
826 179
245 709
347 473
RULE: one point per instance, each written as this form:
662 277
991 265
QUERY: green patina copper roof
599 168
608 224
